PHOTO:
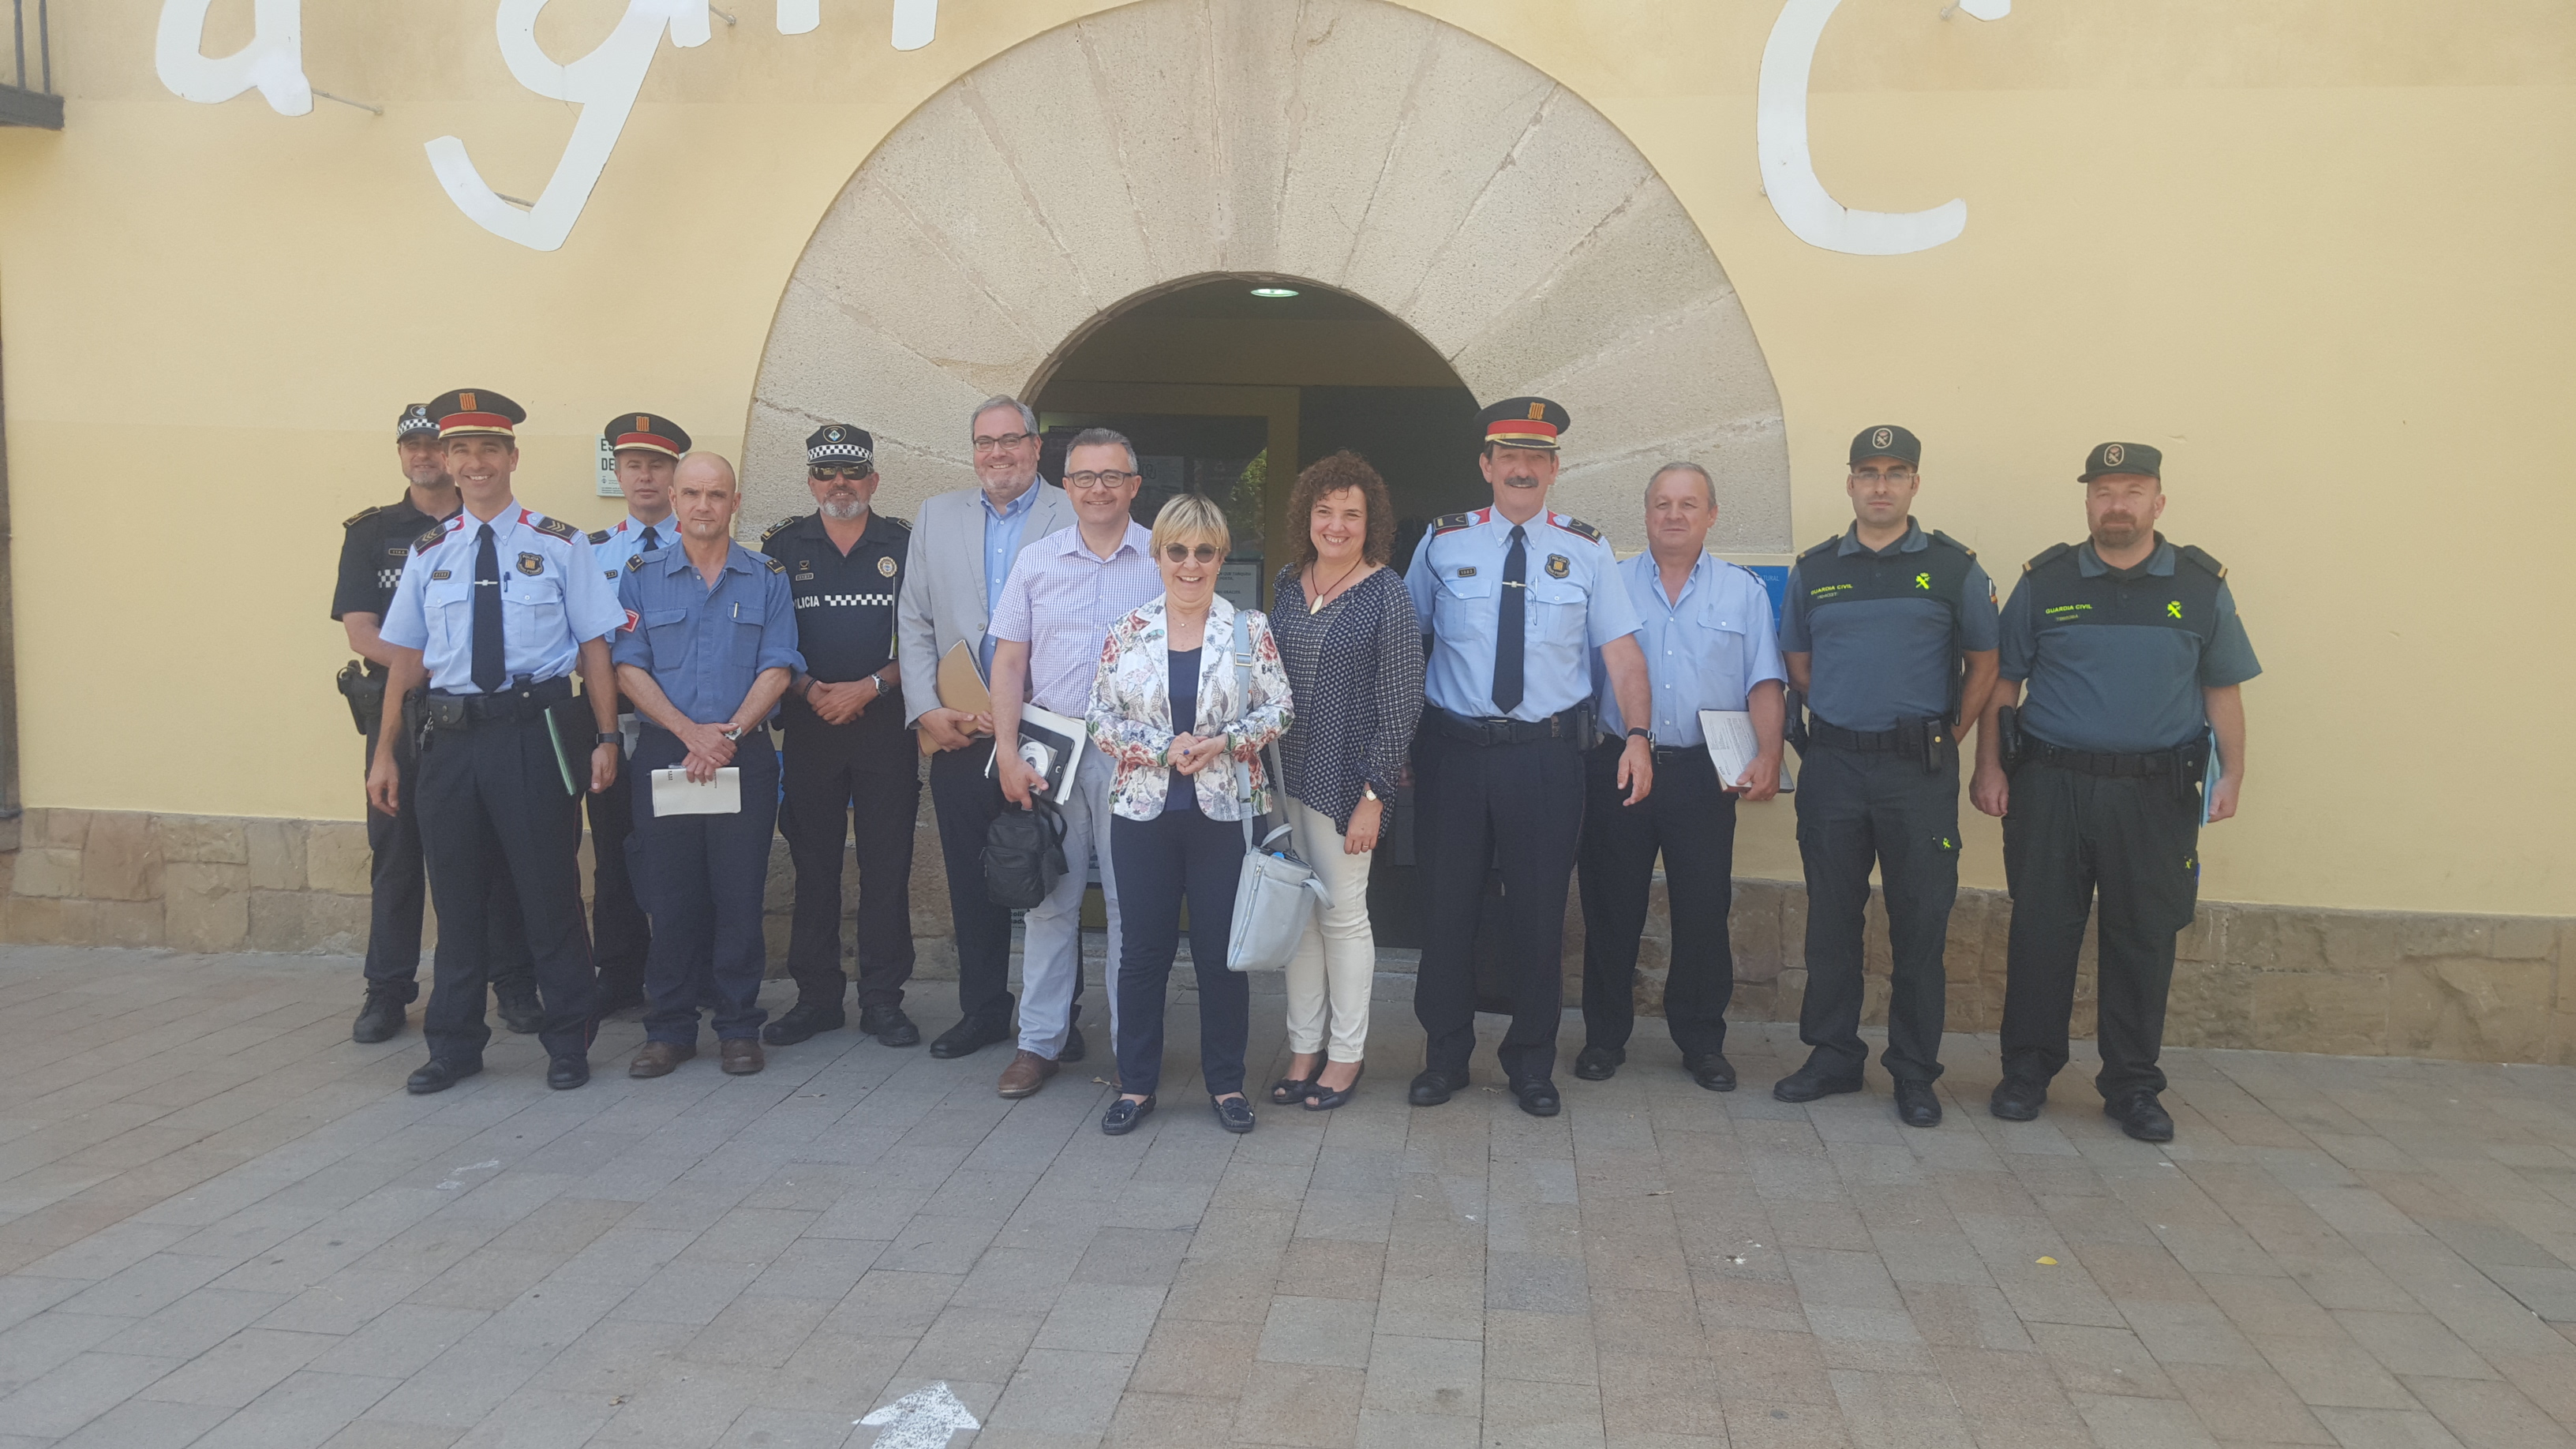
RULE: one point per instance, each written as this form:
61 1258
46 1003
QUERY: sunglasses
855 472
1183 553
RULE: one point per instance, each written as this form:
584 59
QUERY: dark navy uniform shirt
2116 658
844 602
1882 654
371 557
702 645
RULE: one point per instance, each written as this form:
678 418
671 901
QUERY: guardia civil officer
1889 632
1709 644
708 646
647 447
372 551
1515 599
2134 657
850 761
495 610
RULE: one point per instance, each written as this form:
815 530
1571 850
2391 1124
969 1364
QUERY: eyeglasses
855 472
1182 553
1106 479
1006 441
1892 475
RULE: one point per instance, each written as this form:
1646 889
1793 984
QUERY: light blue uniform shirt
704 646
612 547
1001 539
1574 607
552 599
1705 652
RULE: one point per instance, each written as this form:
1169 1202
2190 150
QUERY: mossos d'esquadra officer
2133 656
497 608
1515 599
1889 631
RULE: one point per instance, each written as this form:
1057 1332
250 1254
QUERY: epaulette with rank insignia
2049 555
903 523
1576 526
555 526
429 540
1939 537
2193 552
776 565
599 536
1452 522
781 526
361 516
1820 548
635 562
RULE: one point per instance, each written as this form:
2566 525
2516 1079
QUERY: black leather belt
1906 738
1568 726
450 711
2096 762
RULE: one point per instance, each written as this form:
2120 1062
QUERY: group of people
1533 700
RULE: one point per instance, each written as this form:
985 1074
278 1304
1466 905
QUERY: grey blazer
942 602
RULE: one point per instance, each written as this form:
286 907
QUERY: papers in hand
1732 746
1052 745
674 793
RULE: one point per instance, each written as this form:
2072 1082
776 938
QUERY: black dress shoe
1599 1064
800 1022
1712 1071
1538 1097
1321 1098
1917 1105
1123 1115
438 1076
519 1009
565 1073
969 1037
1289 1091
1810 1082
889 1026
381 1019
1075 1048
2141 1116
1234 1114
2018 1099
1433 1088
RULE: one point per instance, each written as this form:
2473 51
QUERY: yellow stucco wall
2316 251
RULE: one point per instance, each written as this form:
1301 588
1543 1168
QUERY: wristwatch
878 679
733 732
1640 732
608 737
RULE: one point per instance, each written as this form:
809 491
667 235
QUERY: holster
365 692
1794 722
2190 767
2008 736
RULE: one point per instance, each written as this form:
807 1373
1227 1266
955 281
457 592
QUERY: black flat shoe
1599 1064
1810 1082
800 1022
1712 1071
1917 1105
1234 1114
1433 1088
1325 1099
1123 1115
2141 1116
381 1019
438 1076
889 1026
520 1011
1538 1097
969 1037
1075 1049
2018 1099
1289 1091
565 1073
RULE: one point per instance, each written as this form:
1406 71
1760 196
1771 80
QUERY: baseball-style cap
472 410
2135 458
1524 422
1887 441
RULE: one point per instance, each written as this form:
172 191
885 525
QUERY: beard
2118 531
843 507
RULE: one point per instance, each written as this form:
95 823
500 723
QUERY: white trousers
1336 963
1051 935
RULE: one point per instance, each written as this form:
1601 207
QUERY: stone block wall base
2281 978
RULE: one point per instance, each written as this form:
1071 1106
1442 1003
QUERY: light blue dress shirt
1575 606
1705 651
1001 536
553 598
614 546
704 646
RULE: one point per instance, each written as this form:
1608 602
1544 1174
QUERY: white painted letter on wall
273 61
916 23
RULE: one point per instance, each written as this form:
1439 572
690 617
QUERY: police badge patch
1558 566
532 564
885 566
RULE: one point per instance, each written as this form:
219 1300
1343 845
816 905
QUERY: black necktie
489 674
1510 631
651 542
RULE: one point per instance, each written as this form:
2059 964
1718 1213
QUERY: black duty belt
448 711
1569 726
2095 762
1664 754
1907 738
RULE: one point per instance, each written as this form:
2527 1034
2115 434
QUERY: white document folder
1732 746
674 793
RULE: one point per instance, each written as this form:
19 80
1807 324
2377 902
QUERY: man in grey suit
963 543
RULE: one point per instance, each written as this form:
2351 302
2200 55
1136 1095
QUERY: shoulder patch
775 529
2193 552
1452 522
1820 548
1939 537
599 536
361 516
2049 555
903 523
429 540
555 526
1576 526
776 565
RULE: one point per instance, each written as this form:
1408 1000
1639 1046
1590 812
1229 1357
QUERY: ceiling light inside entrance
1274 291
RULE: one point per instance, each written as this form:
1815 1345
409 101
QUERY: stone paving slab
224 1224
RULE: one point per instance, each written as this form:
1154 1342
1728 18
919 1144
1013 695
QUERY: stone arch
1352 143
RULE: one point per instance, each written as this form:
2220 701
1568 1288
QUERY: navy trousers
705 875
1178 855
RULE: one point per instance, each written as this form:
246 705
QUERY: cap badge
833 435
532 564
465 400
885 566
1558 565
643 424
2114 455
1884 437
1538 412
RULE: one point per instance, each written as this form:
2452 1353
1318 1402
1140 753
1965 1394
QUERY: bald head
705 497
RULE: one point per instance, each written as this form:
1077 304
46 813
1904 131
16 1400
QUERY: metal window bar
23 104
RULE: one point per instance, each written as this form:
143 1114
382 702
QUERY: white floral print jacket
1131 711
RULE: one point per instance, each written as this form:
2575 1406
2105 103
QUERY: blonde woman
1168 707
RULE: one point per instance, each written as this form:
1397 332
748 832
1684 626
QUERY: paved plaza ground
223 1224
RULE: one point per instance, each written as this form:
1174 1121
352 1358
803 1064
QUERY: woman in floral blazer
1168 707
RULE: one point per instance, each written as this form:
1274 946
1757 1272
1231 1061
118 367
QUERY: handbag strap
1243 699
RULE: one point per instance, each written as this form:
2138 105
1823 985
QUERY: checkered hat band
838 453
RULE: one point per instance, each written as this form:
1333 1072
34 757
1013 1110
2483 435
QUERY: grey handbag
1278 893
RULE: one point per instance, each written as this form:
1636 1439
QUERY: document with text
1733 746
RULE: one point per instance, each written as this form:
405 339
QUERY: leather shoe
889 1026
565 1073
438 1076
800 1022
1810 1082
1075 1048
1234 1114
519 1009
1123 1115
1599 1064
1917 1105
660 1058
2018 1099
740 1056
1712 1071
1027 1072
381 1019
969 1037
2141 1116
1434 1087
1538 1097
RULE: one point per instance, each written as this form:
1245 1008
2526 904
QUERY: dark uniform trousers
1857 808
398 890
617 921
966 800
1690 821
2067 836
706 875
1517 808
872 766
492 804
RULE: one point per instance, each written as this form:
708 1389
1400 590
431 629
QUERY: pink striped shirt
1061 599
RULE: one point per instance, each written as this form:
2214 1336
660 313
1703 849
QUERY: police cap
1524 422
415 420
841 443
471 410
2135 458
649 431
1887 441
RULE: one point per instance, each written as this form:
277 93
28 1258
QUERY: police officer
1709 644
1515 599
1889 633
708 646
495 609
372 551
848 761
647 447
2134 658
